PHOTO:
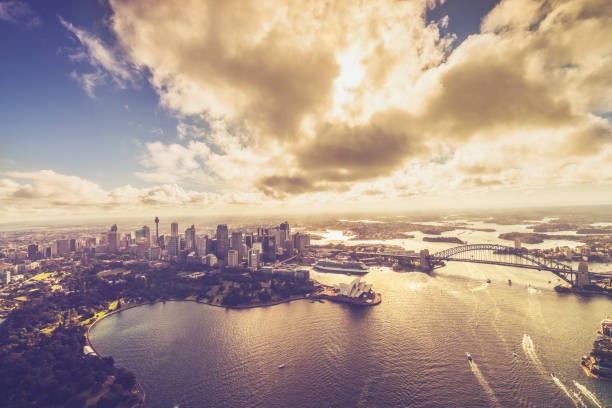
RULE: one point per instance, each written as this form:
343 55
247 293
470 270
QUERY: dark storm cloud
346 153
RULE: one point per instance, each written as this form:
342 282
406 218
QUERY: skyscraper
174 229
173 245
143 234
113 239
32 252
222 241
63 246
190 238
237 244
269 249
232 258
286 229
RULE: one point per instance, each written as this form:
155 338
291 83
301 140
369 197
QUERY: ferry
346 267
469 357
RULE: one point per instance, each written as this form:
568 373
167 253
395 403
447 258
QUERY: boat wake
483 382
481 287
533 291
577 402
530 352
585 391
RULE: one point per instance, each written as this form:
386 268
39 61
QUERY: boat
281 366
346 267
514 354
488 280
509 282
469 357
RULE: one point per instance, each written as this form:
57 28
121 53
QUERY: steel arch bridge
495 254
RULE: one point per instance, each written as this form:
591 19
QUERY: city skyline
267 109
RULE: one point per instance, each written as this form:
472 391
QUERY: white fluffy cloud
105 61
28 193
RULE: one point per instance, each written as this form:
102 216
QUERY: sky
234 107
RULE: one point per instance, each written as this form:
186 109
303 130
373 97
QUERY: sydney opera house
354 289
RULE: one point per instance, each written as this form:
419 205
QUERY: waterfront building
222 241
7 277
606 328
583 277
354 289
232 258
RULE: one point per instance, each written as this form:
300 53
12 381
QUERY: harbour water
408 351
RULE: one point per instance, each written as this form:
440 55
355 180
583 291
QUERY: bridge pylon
424 260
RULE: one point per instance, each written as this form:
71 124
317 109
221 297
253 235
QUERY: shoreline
139 390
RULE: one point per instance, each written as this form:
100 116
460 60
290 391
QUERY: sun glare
351 75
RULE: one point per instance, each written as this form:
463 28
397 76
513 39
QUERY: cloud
105 61
18 12
174 163
348 153
334 101
57 193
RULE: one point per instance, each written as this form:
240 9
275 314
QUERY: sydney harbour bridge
493 254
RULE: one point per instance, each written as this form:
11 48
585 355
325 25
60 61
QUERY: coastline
139 390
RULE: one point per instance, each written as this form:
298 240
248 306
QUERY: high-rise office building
63 246
284 227
33 252
237 244
174 229
113 239
269 249
173 245
232 258
73 245
248 240
202 245
300 241
190 238
143 234
222 241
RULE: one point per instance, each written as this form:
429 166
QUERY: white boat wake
483 382
566 391
481 287
585 391
530 352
